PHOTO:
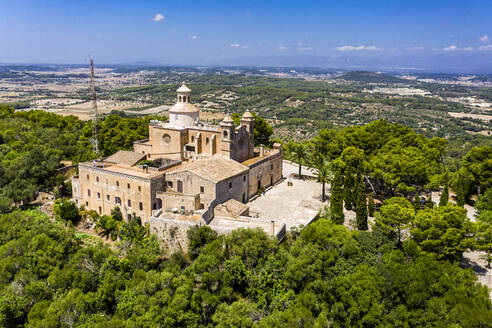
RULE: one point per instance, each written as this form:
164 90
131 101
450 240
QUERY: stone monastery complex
187 170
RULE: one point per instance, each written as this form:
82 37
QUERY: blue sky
201 32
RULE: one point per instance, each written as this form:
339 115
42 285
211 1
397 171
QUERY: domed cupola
183 113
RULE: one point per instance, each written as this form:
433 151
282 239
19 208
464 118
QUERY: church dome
183 88
182 107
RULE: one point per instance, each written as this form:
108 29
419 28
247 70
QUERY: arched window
225 133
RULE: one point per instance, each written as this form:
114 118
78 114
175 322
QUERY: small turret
248 120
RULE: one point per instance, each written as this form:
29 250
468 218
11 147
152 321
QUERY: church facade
184 166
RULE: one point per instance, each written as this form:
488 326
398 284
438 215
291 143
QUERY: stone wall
172 231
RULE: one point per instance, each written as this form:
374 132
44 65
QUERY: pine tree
429 203
348 190
416 202
370 205
443 201
361 204
336 200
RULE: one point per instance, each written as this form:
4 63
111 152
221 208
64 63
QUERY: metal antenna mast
95 146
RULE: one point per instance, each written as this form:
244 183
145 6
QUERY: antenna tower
95 146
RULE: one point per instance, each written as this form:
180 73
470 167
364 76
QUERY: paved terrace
293 205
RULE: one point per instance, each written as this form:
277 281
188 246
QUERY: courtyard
292 201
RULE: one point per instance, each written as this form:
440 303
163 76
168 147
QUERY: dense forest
324 276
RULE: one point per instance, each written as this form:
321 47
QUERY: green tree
198 238
361 204
394 217
478 163
443 201
370 205
417 203
66 211
116 214
133 231
107 227
336 199
442 231
462 184
484 207
324 175
298 153
349 191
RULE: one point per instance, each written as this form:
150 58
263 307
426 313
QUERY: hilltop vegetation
325 276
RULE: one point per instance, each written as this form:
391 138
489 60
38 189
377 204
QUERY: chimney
262 150
273 228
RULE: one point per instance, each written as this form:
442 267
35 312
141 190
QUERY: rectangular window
202 206
86 203
117 183
271 167
140 206
129 203
230 185
202 189
117 200
97 179
139 188
128 185
87 176
100 210
89 192
108 198
244 178
169 184
98 195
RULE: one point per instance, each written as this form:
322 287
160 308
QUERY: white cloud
158 17
485 48
305 48
484 39
282 48
193 37
358 48
455 48
237 45
416 48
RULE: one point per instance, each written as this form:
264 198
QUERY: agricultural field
297 102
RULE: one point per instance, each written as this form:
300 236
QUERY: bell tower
227 136
248 121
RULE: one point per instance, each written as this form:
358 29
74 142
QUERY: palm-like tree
107 227
299 153
324 174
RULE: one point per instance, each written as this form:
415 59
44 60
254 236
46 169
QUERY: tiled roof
126 157
215 169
